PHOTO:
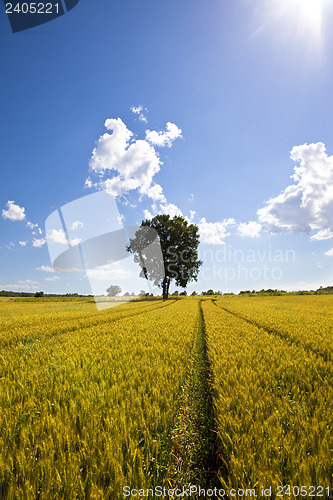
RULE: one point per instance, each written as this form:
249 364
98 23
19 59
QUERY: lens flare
298 22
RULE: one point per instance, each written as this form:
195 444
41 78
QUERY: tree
39 294
179 242
113 290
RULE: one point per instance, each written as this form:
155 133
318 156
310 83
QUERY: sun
310 7
300 20
310 17
310 12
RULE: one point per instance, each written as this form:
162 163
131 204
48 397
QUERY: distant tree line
269 291
5 293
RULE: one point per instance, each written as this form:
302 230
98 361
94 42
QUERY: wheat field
90 401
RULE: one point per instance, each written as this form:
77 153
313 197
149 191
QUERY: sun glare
301 20
310 7
311 11
307 12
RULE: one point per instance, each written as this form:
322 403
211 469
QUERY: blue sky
241 84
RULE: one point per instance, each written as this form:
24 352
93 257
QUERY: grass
194 459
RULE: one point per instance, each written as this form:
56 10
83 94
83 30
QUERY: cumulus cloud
329 253
37 243
20 286
134 162
107 273
156 193
147 214
324 234
59 236
125 164
140 110
170 209
23 243
46 269
164 138
213 233
190 219
110 148
307 204
14 212
53 278
250 230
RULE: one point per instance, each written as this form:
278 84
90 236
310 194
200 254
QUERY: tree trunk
165 288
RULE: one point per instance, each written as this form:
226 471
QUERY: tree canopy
179 242
113 290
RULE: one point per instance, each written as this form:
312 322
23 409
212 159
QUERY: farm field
89 400
274 405
306 320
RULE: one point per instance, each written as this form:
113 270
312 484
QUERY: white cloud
124 164
250 230
88 183
54 278
138 110
191 198
303 285
10 245
147 214
307 204
190 219
156 193
106 273
166 138
23 243
118 185
59 236
14 212
35 229
171 210
134 162
329 253
46 269
76 225
37 243
110 148
324 234
213 233
26 285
